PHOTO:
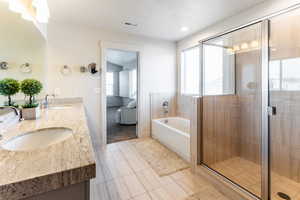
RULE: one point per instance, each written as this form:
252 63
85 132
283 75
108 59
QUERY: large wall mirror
22 48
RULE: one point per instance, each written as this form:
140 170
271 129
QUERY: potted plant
9 87
31 109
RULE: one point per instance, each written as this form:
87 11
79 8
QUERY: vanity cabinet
80 191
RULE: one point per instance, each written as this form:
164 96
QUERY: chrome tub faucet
165 106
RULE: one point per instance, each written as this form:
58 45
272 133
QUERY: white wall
254 13
76 45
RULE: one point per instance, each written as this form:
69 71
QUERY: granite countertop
28 173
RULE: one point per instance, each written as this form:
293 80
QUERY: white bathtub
173 132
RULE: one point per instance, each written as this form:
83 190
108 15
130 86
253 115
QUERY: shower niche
246 73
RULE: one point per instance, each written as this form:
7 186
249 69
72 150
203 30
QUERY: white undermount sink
38 139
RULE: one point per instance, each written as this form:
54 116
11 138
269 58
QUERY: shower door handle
272 110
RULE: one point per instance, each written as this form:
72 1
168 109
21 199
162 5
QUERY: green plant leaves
31 87
9 87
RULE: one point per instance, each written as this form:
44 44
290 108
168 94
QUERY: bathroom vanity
48 158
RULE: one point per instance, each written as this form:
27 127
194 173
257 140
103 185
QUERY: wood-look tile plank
175 191
191 185
99 191
160 194
127 176
134 186
144 196
148 179
138 164
118 189
100 177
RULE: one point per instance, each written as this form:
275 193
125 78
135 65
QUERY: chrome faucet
46 102
16 110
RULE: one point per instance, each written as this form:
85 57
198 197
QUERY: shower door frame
265 114
265 178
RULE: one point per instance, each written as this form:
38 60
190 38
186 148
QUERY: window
274 75
190 71
213 73
285 74
291 74
219 70
109 83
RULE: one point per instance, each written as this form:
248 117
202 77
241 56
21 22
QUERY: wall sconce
26 68
3 65
65 70
92 68
254 43
244 46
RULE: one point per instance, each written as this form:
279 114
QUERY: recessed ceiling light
184 29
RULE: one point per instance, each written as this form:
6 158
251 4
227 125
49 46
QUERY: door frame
104 46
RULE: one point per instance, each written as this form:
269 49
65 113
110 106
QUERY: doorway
121 95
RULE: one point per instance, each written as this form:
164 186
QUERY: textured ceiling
161 19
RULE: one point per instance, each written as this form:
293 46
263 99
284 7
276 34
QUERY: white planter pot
31 113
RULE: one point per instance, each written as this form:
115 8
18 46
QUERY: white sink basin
38 139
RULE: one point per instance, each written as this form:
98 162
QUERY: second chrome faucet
46 101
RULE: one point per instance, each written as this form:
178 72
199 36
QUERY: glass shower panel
231 131
284 94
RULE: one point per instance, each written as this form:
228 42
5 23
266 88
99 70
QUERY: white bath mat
163 161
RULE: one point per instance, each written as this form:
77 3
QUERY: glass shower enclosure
250 132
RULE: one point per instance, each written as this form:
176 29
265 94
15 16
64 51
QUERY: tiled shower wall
184 106
157 100
180 106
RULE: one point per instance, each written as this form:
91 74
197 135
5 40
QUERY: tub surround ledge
25 174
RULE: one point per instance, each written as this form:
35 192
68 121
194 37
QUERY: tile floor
122 174
247 174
